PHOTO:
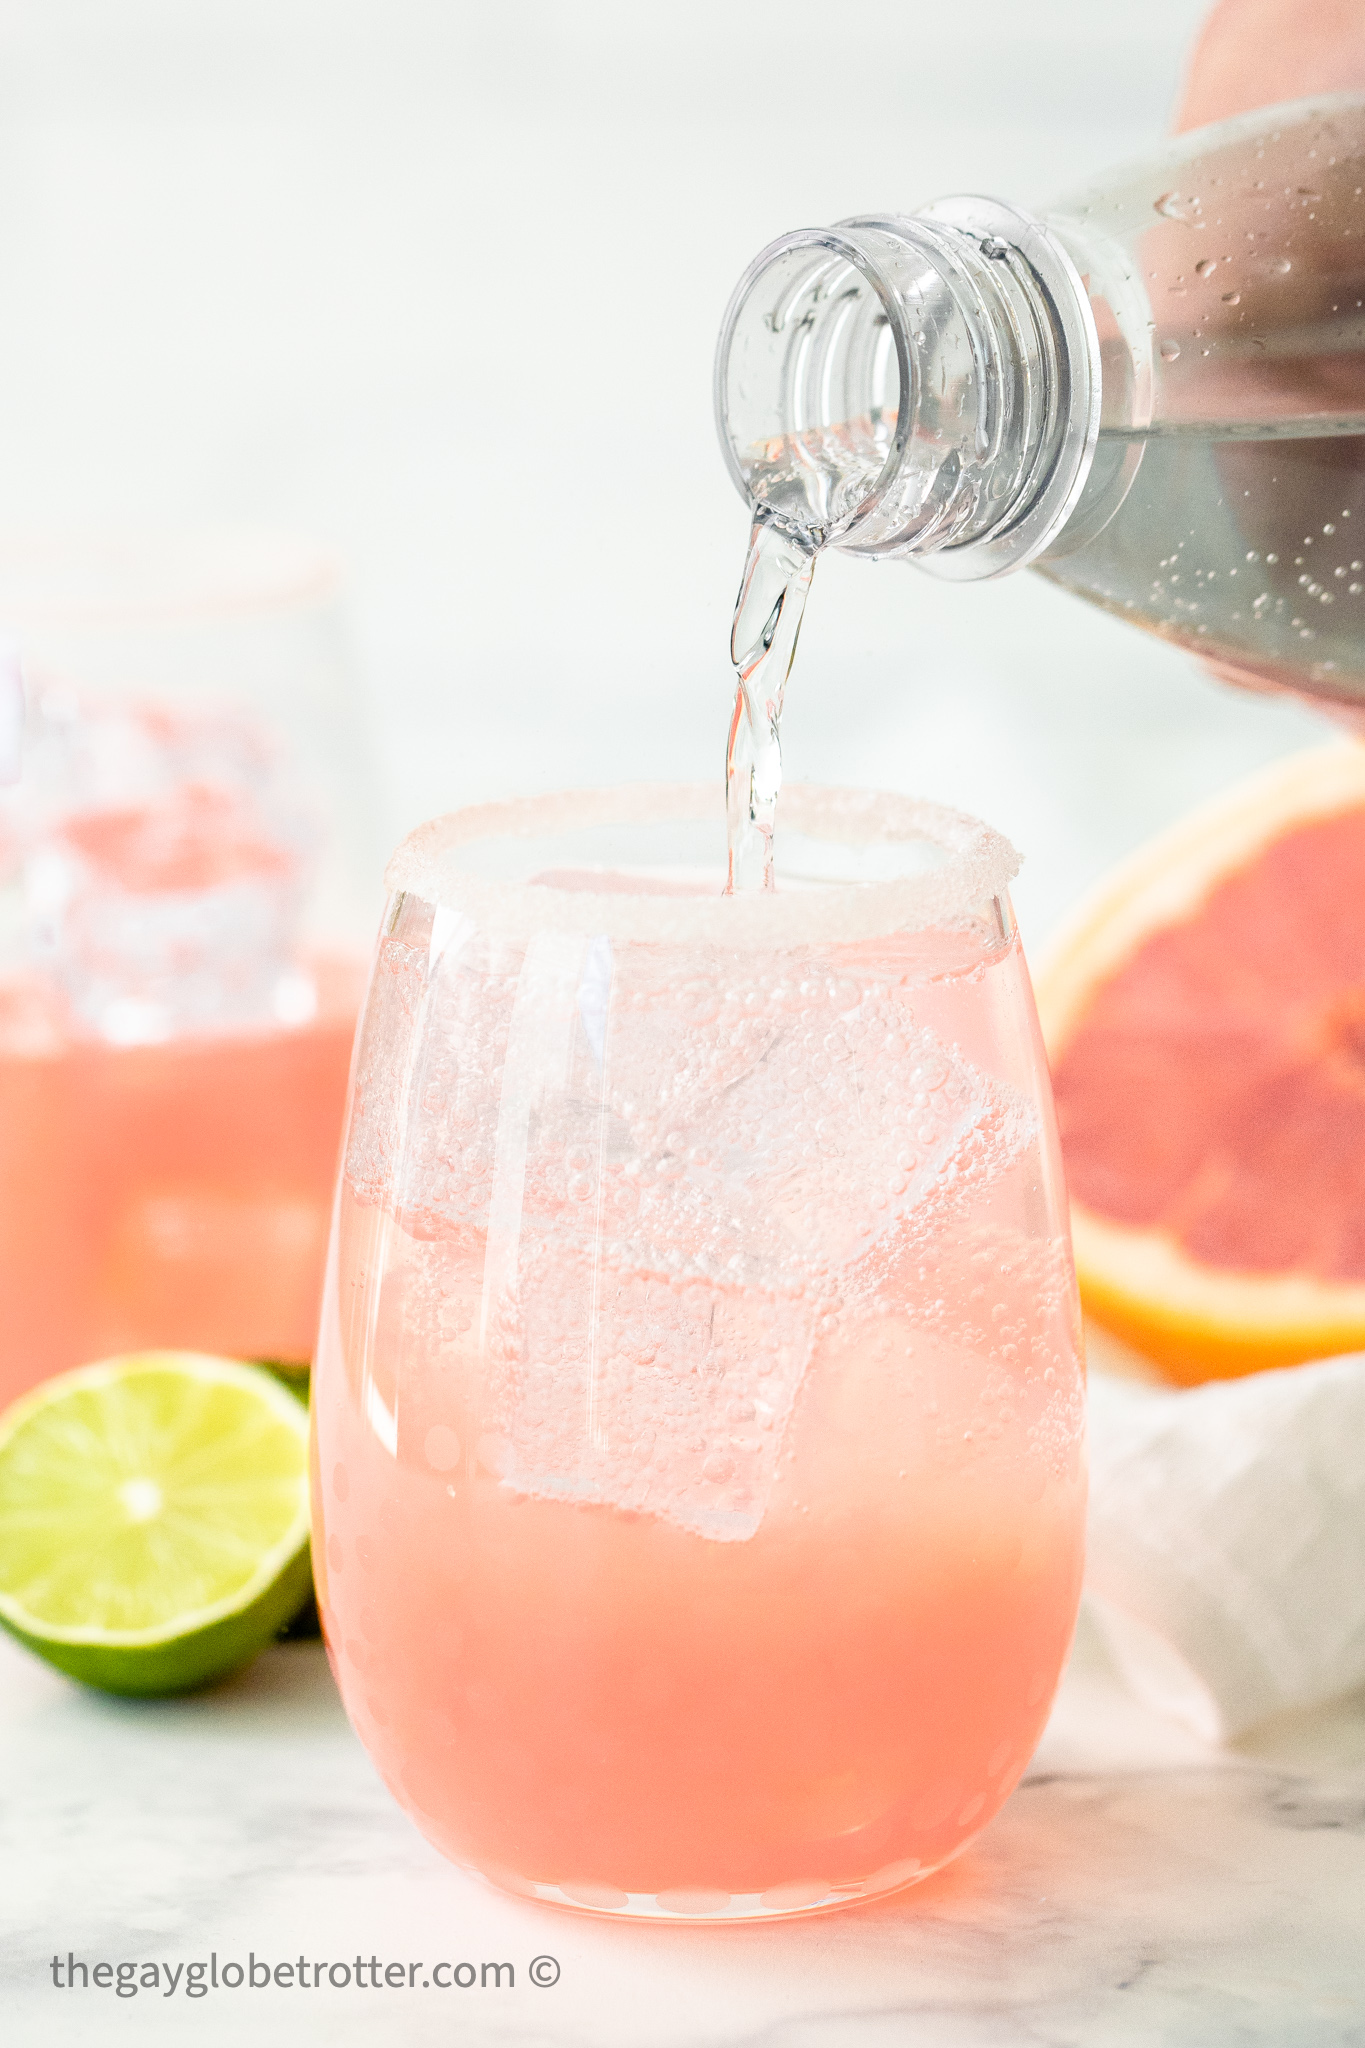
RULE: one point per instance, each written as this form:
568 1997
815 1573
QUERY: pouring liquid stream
763 637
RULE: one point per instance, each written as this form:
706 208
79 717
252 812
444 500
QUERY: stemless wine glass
699 1472
185 906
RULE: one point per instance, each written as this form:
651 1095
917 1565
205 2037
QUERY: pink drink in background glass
165 1195
172 1062
699 1472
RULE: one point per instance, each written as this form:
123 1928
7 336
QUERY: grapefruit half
1204 1012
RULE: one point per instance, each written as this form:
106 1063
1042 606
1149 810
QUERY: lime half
153 1519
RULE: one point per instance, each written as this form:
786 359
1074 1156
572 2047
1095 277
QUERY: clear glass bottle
1154 393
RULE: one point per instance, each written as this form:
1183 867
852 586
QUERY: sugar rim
980 865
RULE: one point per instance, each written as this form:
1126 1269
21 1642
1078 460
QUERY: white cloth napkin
1226 1562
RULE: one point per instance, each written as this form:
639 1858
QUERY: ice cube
166 862
646 1390
791 1119
651 1301
676 1165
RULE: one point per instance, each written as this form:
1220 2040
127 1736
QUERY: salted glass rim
974 864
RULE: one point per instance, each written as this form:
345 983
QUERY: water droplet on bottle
1329 528
1169 351
1232 298
1171 206
1206 266
1272 559
1283 266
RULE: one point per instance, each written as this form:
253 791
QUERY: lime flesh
153 1519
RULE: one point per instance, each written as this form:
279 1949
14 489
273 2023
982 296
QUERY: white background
439 283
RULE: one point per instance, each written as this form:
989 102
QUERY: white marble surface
1138 1890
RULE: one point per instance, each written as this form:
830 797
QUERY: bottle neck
922 385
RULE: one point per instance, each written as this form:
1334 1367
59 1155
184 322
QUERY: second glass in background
184 870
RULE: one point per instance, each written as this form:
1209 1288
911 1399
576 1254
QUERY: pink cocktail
171 1194
173 1055
698 1408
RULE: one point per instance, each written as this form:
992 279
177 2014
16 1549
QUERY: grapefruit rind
1197 1322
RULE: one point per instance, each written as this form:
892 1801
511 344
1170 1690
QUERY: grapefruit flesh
1205 1018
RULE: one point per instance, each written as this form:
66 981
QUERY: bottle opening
921 385
811 372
